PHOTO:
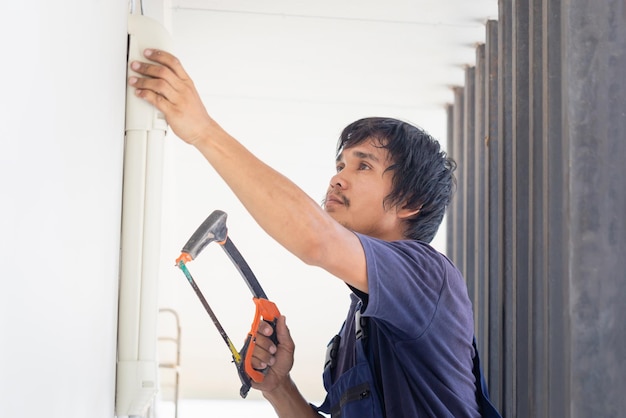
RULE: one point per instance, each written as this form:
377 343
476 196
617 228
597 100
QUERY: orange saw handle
267 311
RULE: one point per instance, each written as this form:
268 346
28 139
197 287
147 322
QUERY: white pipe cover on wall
137 363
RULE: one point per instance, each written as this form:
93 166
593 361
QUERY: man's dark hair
422 173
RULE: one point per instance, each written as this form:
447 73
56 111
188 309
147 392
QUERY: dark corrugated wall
538 222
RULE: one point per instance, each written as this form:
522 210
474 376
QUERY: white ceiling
399 53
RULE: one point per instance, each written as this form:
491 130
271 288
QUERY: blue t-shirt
420 331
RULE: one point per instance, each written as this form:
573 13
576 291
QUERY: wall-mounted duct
137 365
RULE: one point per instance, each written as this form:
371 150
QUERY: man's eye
364 166
339 168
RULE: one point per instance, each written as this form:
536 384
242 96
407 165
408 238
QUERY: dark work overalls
354 394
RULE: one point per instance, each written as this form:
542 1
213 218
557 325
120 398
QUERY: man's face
356 193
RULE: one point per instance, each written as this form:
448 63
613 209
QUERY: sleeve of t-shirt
405 281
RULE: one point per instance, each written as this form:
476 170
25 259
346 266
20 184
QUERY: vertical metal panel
537 261
450 221
457 256
505 135
469 188
521 209
480 255
594 49
495 210
556 186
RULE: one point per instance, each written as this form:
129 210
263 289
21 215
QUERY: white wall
61 136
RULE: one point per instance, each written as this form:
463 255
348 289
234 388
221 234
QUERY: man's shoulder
419 251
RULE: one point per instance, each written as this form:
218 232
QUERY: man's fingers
168 60
260 362
265 344
158 73
284 335
162 82
263 352
156 85
146 68
155 99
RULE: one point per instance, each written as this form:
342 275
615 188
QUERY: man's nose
339 181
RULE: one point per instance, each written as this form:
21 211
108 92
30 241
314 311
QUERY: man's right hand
279 358
168 87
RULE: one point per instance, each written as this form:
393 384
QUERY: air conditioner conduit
137 362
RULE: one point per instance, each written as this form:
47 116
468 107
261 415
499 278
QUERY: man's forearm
288 402
280 207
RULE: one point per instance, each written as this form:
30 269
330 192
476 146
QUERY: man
405 349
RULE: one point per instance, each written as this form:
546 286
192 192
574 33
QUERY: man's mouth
337 199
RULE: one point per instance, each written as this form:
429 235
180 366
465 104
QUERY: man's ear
406 213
